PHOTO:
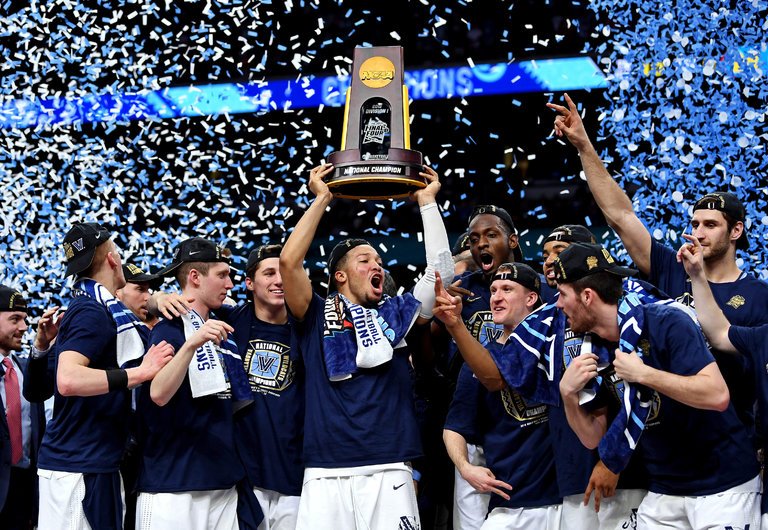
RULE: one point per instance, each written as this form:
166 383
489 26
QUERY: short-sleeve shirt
187 445
87 434
270 434
744 303
515 436
753 342
688 451
368 419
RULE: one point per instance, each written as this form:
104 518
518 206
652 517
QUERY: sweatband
117 379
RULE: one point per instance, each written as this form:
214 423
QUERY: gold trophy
375 161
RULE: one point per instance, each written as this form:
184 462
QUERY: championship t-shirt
515 436
753 342
744 303
688 451
365 420
187 445
87 434
270 434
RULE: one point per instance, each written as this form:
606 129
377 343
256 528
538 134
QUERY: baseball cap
730 205
501 213
80 245
461 244
134 274
584 259
571 234
261 253
11 300
519 273
338 252
195 249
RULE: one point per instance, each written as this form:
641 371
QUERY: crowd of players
578 397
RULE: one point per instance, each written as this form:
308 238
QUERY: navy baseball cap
80 245
134 274
519 273
730 205
195 250
338 252
583 259
571 234
12 300
261 253
501 213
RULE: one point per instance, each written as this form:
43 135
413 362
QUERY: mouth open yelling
486 261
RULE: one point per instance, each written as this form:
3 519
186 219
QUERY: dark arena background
168 119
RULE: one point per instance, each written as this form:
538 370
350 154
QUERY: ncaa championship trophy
375 161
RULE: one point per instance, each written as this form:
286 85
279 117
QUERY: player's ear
340 277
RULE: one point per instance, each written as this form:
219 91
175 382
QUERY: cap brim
622 271
153 280
168 271
80 263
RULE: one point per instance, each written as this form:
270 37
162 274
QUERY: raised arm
711 317
296 284
613 202
448 310
438 250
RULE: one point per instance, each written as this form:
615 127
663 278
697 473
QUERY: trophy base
394 178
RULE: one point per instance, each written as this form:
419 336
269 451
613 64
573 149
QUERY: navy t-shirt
365 420
87 434
744 303
688 451
515 436
187 445
753 342
269 435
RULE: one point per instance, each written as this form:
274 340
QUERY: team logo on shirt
686 299
736 301
524 413
269 366
482 327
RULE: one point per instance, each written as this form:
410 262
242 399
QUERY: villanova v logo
266 363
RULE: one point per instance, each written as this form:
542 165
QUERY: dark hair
609 287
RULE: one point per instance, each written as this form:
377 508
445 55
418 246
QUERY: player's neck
271 315
722 269
606 322
106 279
200 307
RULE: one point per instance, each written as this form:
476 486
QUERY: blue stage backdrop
686 110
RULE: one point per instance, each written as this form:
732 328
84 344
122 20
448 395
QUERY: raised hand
429 193
568 123
317 176
691 255
447 308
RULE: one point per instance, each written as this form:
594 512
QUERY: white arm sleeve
439 258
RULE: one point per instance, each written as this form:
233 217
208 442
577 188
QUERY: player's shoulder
83 309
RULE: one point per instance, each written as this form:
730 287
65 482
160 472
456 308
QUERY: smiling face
711 229
549 252
13 324
490 242
360 276
510 302
267 284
